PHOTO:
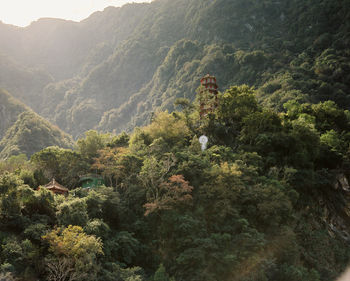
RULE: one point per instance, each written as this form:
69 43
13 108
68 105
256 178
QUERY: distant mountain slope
62 48
30 134
286 50
10 109
22 82
52 50
115 68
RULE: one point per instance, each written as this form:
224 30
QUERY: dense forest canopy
268 199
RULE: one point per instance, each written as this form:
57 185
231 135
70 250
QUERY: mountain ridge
121 55
268 197
30 134
23 131
10 109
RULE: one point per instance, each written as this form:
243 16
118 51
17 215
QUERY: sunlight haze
23 12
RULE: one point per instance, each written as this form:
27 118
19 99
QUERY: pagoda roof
54 185
208 76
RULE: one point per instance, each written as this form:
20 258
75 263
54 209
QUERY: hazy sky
23 12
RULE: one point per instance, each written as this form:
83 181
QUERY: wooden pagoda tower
208 87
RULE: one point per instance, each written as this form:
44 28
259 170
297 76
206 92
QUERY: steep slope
22 82
268 199
63 47
284 49
118 66
10 109
51 50
30 134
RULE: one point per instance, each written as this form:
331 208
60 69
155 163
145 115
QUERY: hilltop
31 133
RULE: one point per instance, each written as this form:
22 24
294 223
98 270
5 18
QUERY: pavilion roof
53 184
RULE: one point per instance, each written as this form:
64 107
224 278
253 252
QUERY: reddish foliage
175 192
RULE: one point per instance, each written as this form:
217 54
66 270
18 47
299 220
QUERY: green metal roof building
91 181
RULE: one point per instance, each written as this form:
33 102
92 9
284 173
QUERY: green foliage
10 111
31 133
234 211
235 104
73 212
267 199
143 57
160 274
169 128
77 250
92 143
64 165
72 242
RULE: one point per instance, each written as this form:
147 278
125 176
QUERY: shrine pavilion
56 188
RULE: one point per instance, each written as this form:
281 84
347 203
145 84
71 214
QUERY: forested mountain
23 131
31 133
269 197
115 68
22 82
267 200
10 109
63 47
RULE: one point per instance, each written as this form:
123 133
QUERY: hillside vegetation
31 133
10 109
112 70
267 200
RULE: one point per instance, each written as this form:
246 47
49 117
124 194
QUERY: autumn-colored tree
154 172
175 192
73 250
110 163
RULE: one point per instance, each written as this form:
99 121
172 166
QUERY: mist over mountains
112 70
